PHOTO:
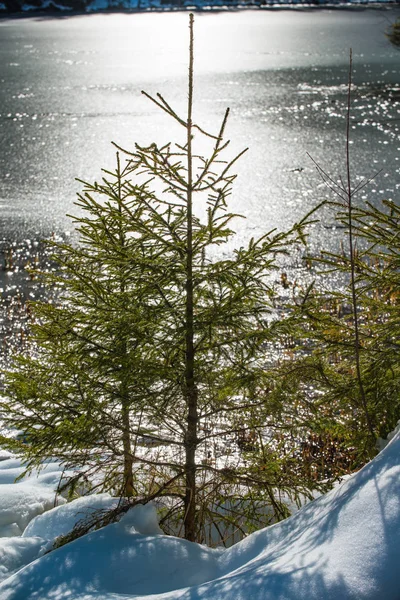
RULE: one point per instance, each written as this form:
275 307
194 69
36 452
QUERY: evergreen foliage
393 33
154 375
351 334
353 418
150 377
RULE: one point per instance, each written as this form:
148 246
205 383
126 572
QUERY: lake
71 85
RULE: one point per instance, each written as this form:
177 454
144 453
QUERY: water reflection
69 87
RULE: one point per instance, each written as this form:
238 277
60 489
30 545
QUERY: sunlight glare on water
70 86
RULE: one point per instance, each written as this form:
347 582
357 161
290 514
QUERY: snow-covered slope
345 545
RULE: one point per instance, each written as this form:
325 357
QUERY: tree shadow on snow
342 546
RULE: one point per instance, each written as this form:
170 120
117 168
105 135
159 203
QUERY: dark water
70 86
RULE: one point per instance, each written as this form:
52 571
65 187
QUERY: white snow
62 519
142 519
21 502
343 546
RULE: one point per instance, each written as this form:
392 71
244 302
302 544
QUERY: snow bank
62 519
142 519
17 552
21 502
342 546
113 560
10 469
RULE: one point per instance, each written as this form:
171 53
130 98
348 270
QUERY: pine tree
153 368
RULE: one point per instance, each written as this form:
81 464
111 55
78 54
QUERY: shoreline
272 5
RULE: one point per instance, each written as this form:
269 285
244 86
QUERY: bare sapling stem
352 250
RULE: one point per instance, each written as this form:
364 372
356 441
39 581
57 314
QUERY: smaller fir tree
351 370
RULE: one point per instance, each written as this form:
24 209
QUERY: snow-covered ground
344 545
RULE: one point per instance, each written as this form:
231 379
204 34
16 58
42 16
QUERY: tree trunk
191 395
128 489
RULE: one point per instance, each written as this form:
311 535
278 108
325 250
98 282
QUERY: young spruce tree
352 331
150 376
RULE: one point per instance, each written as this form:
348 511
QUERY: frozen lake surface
71 85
